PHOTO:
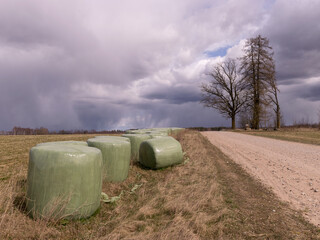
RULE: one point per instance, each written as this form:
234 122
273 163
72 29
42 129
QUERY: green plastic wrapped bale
64 142
160 152
176 130
130 131
64 181
167 130
136 140
156 134
164 130
138 131
148 130
116 157
114 138
134 131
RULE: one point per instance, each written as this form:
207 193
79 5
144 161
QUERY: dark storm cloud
309 92
175 95
97 115
313 95
294 32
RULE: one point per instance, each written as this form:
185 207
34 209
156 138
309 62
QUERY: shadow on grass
20 201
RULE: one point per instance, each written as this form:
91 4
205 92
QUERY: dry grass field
207 197
302 135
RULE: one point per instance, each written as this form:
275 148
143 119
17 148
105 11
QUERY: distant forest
44 131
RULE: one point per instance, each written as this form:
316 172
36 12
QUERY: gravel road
292 170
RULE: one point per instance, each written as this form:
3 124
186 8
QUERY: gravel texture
292 170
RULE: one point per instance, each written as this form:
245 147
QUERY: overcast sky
130 64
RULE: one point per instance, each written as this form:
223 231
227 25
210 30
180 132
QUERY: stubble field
209 196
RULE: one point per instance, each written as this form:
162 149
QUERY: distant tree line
245 86
44 131
87 132
29 131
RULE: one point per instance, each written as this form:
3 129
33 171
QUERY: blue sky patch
219 52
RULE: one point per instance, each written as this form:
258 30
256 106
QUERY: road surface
291 169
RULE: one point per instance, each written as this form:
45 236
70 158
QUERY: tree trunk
256 113
258 105
278 117
233 119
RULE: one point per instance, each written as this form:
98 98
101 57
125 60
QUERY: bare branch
226 92
258 70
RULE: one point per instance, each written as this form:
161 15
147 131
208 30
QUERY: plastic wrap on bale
160 152
176 130
164 130
114 138
81 143
156 134
136 140
64 181
147 130
138 131
116 157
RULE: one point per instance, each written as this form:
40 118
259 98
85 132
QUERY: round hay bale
160 152
81 143
176 130
116 157
114 138
138 131
164 130
136 140
156 134
130 131
64 181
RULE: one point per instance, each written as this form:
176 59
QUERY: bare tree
273 96
258 70
226 91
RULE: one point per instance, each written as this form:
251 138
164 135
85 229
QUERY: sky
124 64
